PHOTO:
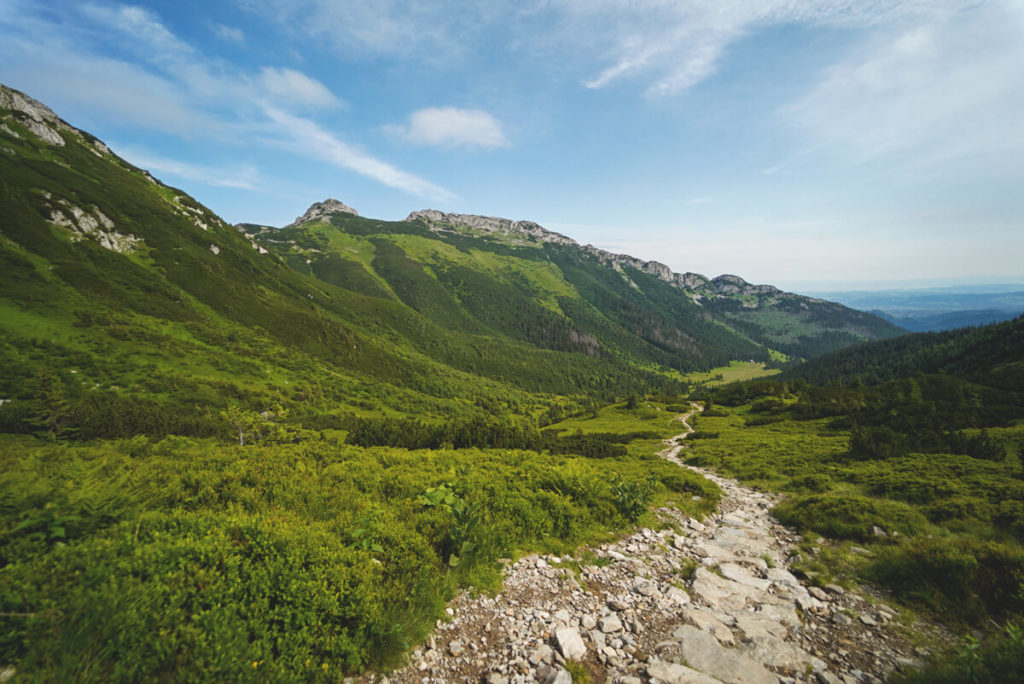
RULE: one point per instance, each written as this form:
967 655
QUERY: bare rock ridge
438 220
40 121
320 211
33 115
722 285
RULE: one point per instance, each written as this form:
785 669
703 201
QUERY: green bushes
139 559
968 578
999 658
848 517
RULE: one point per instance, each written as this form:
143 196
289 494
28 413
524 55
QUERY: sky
811 144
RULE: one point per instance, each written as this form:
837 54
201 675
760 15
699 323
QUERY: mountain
992 355
232 453
131 293
518 279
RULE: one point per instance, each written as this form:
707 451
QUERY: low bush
968 578
849 517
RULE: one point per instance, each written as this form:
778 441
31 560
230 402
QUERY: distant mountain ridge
723 284
752 321
131 290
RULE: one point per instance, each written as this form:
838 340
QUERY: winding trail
694 603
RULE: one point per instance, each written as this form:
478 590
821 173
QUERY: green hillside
128 292
992 354
903 461
231 454
519 281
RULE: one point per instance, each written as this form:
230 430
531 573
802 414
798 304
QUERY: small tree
50 405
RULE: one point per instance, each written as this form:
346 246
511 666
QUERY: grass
948 543
736 371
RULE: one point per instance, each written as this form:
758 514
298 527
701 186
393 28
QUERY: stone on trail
674 673
710 624
570 643
761 624
703 652
541 654
775 652
738 573
677 595
610 624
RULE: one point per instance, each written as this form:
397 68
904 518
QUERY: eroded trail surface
705 602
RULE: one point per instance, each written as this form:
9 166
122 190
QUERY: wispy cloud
450 126
305 135
945 87
176 89
294 87
230 34
664 46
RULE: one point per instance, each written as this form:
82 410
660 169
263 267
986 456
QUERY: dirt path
715 595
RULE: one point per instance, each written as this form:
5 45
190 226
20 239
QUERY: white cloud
305 136
944 88
665 46
230 34
294 87
177 90
453 127
144 28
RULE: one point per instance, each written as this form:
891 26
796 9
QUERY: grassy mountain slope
903 461
134 288
540 288
991 354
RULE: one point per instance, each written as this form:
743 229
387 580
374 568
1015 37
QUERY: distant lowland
938 308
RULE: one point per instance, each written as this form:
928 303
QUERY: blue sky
804 143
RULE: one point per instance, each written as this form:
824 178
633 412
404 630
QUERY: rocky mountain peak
322 211
730 284
440 221
33 115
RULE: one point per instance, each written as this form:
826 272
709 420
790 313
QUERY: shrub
970 579
814 482
848 517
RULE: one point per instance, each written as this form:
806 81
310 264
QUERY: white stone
570 643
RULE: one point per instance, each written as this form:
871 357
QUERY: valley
448 447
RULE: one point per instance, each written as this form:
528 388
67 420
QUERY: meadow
198 559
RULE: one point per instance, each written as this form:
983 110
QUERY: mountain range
235 452
134 287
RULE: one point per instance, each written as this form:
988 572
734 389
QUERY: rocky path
697 602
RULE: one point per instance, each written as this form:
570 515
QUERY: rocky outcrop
723 285
630 613
441 222
33 115
322 211
92 224
731 285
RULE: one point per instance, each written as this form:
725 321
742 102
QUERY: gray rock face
35 116
674 673
321 211
439 220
